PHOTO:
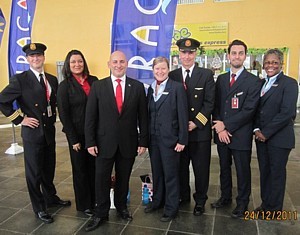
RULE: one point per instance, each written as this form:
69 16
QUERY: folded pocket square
198 88
165 93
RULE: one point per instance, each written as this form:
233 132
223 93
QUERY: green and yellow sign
212 34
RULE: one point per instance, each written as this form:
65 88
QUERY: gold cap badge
32 46
188 43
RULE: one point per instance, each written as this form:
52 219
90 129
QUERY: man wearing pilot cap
35 92
188 44
200 89
34 48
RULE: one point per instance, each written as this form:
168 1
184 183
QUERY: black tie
43 83
187 77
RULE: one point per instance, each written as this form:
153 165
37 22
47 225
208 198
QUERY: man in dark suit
237 95
116 107
35 92
200 90
274 130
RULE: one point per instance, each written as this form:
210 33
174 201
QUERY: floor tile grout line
15 213
83 225
147 227
9 195
215 210
126 225
141 162
182 232
12 231
213 222
18 208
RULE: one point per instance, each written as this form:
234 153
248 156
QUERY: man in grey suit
116 107
35 92
237 96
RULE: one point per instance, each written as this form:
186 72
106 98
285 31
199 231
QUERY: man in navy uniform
237 96
35 92
200 89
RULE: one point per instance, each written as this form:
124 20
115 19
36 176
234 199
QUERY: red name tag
235 103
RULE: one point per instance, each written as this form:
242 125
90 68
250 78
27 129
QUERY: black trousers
39 171
242 159
123 168
165 174
199 153
272 166
83 170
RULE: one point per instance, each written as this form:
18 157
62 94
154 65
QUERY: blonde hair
160 59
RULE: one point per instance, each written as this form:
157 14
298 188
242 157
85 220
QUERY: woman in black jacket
71 101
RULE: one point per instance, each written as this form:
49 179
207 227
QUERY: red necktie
119 98
232 79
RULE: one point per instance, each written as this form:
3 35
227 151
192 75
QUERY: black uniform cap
34 48
188 44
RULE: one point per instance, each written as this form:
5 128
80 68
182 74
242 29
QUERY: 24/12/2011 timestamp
271 215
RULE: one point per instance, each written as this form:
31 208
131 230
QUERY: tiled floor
16 216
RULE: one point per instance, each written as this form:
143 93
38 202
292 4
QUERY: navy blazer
277 111
106 128
201 99
239 121
172 116
26 89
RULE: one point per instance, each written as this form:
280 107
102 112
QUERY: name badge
49 111
234 103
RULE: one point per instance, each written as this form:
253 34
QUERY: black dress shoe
95 223
259 209
60 203
150 208
198 210
124 214
238 212
88 212
44 216
221 202
166 218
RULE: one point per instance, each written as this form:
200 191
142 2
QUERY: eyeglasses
274 63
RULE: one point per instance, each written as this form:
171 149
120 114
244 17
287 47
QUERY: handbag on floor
147 184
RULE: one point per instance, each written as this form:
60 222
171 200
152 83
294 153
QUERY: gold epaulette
201 118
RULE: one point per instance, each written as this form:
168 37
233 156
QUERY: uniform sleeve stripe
20 112
202 118
15 115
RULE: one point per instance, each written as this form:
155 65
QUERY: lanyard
47 90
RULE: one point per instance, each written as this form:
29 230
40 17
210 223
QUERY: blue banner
22 13
143 30
2 25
